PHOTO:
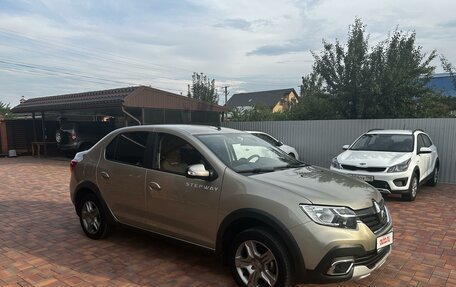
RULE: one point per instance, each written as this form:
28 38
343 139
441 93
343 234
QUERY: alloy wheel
256 265
90 216
414 186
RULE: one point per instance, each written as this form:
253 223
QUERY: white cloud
248 45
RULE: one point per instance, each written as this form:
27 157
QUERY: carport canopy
130 103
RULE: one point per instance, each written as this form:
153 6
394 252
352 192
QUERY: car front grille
372 218
368 169
369 260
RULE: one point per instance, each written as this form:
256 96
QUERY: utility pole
226 94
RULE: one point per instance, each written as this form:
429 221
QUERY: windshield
384 142
246 153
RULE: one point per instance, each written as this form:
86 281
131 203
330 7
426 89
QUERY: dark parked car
79 136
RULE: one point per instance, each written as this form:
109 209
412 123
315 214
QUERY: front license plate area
385 240
363 177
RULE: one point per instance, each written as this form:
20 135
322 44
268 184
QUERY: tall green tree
314 103
203 88
387 81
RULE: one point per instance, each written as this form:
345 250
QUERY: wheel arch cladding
243 219
88 187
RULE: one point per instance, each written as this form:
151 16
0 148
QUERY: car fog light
341 267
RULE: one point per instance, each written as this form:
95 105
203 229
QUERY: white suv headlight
335 216
403 166
335 163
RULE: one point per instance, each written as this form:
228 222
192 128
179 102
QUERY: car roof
256 132
188 129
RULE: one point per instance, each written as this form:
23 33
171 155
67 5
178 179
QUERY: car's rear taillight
73 164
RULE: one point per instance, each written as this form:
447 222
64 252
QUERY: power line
55 71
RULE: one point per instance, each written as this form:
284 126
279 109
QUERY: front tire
413 189
258 258
93 218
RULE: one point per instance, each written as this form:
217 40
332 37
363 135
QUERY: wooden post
43 127
34 127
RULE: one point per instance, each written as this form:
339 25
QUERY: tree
5 111
314 103
203 88
387 81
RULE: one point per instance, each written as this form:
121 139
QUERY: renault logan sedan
272 219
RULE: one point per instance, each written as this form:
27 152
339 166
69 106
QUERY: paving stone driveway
42 244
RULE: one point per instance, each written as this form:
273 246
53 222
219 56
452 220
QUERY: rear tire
435 176
258 258
93 218
413 189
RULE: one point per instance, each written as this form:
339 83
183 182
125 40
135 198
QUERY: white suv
393 161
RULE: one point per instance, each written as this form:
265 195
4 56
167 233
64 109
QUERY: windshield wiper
257 170
297 165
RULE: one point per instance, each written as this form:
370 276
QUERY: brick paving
42 244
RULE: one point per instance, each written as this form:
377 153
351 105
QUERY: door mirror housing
425 150
345 147
199 171
279 143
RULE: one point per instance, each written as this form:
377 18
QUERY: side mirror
345 147
425 150
279 143
199 171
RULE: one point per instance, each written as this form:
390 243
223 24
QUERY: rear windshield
67 127
384 142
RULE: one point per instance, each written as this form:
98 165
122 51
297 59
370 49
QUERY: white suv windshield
247 154
384 142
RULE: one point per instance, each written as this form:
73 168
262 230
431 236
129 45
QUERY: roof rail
374 130
417 130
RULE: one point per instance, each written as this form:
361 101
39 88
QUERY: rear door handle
105 175
154 186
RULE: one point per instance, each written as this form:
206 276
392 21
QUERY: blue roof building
443 83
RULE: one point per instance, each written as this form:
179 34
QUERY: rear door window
128 148
267 139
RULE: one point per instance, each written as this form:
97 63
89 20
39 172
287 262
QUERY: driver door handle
154 186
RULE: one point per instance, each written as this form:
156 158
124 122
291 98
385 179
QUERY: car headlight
403 166
335 216
335 163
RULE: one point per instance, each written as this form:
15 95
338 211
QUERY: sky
50 47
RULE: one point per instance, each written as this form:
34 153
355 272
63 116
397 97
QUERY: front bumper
328 250
394 182
363 264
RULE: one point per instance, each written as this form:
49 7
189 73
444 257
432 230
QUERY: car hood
372 158
322 186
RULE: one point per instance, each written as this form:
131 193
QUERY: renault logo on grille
379 211
376 207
